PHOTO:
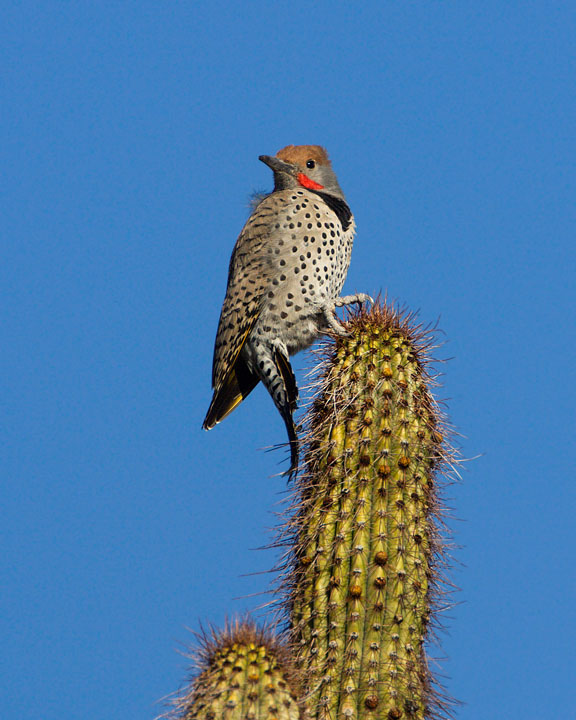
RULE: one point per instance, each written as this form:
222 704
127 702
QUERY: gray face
286 175
323 175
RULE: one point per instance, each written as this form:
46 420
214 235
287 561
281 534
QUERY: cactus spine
243 673
361 580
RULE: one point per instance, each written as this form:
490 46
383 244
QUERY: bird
285 275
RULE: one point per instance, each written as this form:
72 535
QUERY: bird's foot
357 299
331 318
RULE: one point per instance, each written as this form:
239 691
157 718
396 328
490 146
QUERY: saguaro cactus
242 673
361 582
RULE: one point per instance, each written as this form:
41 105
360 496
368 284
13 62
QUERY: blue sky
130 141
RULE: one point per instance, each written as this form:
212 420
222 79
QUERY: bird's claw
366 299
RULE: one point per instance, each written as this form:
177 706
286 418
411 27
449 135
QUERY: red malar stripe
305 181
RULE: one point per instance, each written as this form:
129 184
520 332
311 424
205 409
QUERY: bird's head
306 166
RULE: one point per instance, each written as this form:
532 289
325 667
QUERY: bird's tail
237 385
291 388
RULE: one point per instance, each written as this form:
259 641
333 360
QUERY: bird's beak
277 165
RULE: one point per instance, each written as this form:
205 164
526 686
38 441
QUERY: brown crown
300 154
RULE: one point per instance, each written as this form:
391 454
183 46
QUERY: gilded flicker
284 280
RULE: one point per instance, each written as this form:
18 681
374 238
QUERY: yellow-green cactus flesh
362 575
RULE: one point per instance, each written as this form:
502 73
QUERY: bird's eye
310 164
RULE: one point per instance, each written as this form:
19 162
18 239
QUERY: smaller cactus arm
240 672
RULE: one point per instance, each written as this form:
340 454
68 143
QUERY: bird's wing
248 278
